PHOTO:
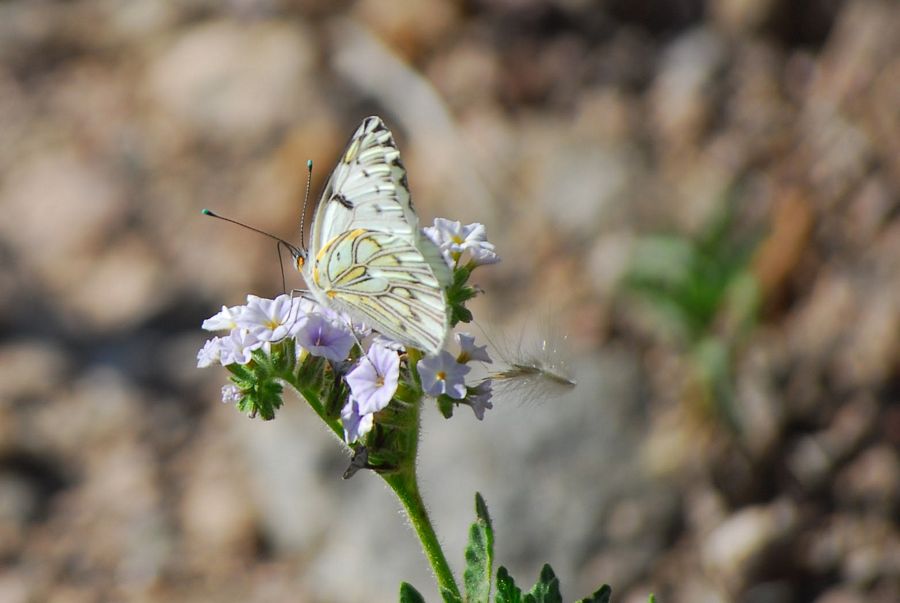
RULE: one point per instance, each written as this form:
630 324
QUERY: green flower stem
311 395
406 488
405 484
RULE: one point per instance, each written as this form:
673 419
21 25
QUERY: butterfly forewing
367 257
367 189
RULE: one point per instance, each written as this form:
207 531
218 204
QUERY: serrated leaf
601 596
507 591
547 588
408 594
242 375
449 597
479 555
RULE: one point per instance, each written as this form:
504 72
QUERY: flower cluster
263 322
353 376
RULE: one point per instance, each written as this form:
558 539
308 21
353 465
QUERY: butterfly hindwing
385 281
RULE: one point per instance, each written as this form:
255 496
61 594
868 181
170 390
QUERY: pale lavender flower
479 398
360 329
468 351
442 374
356 424
302 306
224 320
342 319
237 347
231 394
484 254
453 236
210 353
268 319
322 337
454 239
373 381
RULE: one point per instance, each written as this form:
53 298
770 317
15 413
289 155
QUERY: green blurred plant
706 297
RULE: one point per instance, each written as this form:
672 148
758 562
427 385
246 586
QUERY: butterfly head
299 256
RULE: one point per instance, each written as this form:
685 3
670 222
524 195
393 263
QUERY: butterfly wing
368 189
368 257
385 281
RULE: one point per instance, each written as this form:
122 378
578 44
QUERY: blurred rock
230 82
863 549
741 16
872 480
466 75
759 414
19 502
413 27
823 319
842 595
66 205
705 509
100 408
13 588
123 286
872 552
218 516
870 356
591 176
30 368
813 457
680 107
732 549
850 424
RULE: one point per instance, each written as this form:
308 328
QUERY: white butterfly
366 255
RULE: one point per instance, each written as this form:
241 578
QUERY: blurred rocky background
704 196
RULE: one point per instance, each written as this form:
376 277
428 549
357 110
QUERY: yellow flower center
441 375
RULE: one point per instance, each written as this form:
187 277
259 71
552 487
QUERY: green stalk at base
407 490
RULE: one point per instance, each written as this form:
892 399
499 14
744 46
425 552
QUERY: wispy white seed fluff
533 371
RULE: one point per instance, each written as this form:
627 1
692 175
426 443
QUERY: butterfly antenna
295 251
305 197
281 265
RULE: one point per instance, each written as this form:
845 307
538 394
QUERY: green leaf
459 313
458 293
450 597
408 594
601 596
479 555
652 598
241 372
507 591
445 405
547 588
